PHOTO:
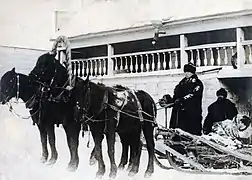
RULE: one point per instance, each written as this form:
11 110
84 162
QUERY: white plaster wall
158 85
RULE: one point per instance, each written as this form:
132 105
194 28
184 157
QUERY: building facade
151 55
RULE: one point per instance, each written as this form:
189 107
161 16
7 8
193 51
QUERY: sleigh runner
197 154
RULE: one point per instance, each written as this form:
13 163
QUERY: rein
20 116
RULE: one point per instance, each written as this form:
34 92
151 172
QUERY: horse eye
11 81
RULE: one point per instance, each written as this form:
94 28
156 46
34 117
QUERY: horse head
81 93
9 86
45 68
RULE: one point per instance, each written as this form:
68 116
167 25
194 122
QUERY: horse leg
136 149
148 134
51 137
98 137
110 135
125 149
92 159
43 139
72 133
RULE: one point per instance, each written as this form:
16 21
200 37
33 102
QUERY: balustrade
218 54
147 61
93 66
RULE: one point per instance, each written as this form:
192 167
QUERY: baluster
205 57
141 63
77 68
152 62
73 67
232 50
116 64
225 55
126 63
81 68
198 63
131 64
147 63
90 67
170 60
176 60
158 63
86 67
136 65
104 68
121 63
97 66
218 57
250 54
211 57
164 62
192 59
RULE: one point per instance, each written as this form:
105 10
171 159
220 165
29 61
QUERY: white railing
247 45
97 66
218 54
164 59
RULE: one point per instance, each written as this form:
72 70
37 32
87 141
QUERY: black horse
45 114
107 113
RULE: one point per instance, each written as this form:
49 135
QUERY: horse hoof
132 173
72 168
51 162
112 175
147 174
121 167
92 161
98 176
43 160
129 168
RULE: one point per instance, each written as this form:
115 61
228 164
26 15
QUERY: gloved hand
166 99
162 102
178 101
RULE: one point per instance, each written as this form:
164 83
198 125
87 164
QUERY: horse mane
119 87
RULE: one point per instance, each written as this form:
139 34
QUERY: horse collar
18 87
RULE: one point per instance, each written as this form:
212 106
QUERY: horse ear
13 70
87 79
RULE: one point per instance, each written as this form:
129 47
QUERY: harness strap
139 107
18 87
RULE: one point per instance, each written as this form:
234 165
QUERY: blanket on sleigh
233 133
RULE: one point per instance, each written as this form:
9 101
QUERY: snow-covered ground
20 153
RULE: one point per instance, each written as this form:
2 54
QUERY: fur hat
221 92
189 68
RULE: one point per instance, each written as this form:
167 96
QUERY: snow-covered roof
102 16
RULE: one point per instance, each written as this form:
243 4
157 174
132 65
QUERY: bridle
16 85
84 110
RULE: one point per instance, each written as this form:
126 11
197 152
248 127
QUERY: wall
20 58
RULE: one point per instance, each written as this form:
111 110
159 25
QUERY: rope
66 42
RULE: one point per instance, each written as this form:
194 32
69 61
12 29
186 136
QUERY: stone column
110 61
183 54
240 49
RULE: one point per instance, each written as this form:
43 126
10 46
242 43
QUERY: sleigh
191 153
201 154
